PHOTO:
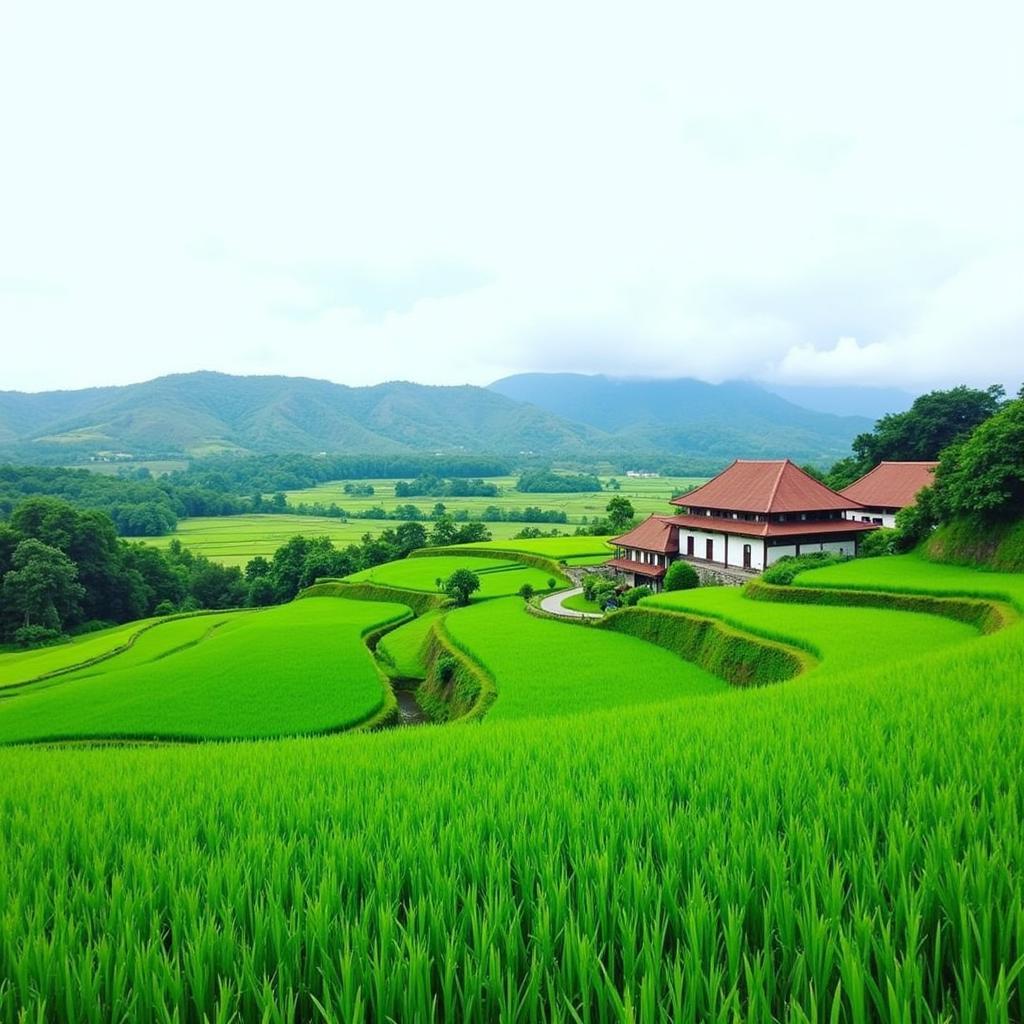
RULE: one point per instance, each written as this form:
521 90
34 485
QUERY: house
745 519
889 487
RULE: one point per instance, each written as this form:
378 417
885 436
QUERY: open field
914 574
542 667
844 638
234 540
18 667
647 496
498 578
297 668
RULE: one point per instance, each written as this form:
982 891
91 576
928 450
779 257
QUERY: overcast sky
441 192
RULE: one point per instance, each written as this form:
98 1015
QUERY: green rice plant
19 667
912 574
542 667
419 601
843 638
401 649
498 578
298 668
844 851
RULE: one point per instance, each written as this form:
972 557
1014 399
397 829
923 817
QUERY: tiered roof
765 487
653 534
891 484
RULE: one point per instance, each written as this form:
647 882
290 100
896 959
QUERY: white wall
736 542
782 550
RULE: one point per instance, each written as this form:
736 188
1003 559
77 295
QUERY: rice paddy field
498 578
234 540
910 574
624 841
647 496
553 668
297 668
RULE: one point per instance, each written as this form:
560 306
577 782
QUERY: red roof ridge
778 480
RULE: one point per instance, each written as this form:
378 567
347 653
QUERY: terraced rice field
401 647
298 668
844 638
498 578
843 848
571 550
914 574
17 667
543 667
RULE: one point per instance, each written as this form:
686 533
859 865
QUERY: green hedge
737 657
470 691
547 565
986 616
419 601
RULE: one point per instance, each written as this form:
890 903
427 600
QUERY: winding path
553 604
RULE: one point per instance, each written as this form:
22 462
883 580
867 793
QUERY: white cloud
454 191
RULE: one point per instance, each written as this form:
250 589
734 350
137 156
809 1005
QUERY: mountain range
544 414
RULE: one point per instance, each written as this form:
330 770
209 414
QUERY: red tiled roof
628 565
771 486
891 484
653 534
715 524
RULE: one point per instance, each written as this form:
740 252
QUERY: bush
526 591
36 636
681 576
879 542
552 583
165 608
785 570
630 597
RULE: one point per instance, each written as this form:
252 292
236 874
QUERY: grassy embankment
846 848
298 668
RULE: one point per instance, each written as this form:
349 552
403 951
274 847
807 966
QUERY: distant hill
846 401
686 416
205 413
546 414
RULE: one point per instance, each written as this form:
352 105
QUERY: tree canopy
935 421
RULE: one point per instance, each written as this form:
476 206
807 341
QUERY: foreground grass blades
299 668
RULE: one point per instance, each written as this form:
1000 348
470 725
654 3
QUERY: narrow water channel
409 710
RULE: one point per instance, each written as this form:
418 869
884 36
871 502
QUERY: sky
800 193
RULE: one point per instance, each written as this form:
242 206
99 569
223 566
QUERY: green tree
42 589
444 532
461 585
983 476
526 591
935 421
410 537
681 576
620 513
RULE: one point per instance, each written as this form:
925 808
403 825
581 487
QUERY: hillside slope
689 416
543 414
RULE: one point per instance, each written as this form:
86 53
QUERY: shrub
681 576
630 597
526 591
785 570
552 583
165 608
36 636
879 542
